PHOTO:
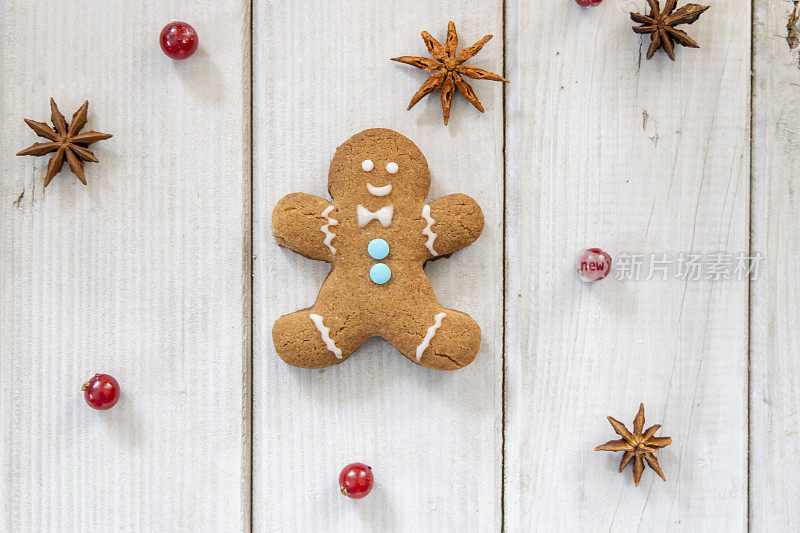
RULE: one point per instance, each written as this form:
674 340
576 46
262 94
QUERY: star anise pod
637 445
661 26
66 141
447 70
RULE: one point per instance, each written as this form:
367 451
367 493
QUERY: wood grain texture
322 73
606 149
775 312
145 272
140 274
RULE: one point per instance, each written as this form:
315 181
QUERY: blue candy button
380 273
378 248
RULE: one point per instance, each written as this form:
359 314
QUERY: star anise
661 26
67 142
447 70
636 445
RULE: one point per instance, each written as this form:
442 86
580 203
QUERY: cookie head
378 163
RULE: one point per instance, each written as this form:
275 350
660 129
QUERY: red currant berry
101 392
588 3
356 480
178 40
594 265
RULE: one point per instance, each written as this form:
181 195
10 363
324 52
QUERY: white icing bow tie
382 215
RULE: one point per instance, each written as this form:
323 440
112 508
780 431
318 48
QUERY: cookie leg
310 340
444 340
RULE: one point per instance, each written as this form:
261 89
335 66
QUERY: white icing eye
392 168
367 165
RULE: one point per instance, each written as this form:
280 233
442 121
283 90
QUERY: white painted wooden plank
607 149
322 73
775 313
140 274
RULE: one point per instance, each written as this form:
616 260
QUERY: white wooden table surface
146 273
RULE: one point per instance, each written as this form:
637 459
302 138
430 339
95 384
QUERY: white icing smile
379 191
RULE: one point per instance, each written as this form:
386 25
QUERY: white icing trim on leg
326 335
429 335
426 214
329 235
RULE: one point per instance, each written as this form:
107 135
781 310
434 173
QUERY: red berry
178 40
588 3
594 265
356 480
101 392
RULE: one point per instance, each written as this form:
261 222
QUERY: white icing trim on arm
329 235
326 335
426 214
379 191
429 335
382 215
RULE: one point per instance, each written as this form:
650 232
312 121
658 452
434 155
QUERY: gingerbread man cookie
377 234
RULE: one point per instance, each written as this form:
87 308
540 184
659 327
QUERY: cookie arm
452 223
306 224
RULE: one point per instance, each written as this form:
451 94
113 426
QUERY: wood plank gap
248 526
749 342
504 291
